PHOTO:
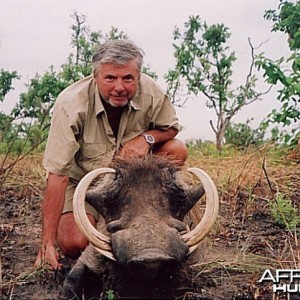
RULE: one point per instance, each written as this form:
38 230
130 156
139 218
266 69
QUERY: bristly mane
150 163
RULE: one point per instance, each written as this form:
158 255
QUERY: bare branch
212 126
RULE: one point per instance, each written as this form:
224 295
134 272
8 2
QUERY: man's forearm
161 136
52 206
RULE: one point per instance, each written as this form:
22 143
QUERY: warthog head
143 205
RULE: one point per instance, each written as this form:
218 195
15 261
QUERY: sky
35 34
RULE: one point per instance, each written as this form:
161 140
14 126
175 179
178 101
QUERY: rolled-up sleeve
164 116
62 144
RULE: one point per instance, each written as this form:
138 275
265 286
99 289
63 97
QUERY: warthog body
143 207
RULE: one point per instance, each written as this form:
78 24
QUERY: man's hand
48 256
137 147
52 208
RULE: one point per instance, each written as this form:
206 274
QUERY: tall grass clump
284 212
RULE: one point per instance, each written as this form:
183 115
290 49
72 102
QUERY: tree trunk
219 137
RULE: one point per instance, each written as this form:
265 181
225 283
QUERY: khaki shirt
80 137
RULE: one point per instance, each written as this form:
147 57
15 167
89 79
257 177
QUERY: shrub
284 212
241 135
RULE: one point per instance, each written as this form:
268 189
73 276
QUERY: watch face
149 138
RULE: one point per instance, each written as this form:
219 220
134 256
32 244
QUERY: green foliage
6 79
22 138
284 212
241 135
5 125
37 102
147 70
32 113
110 295
276 72
199 148
85 43
204 65
286 20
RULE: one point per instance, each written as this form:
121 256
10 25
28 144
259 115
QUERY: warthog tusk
194 237
101 242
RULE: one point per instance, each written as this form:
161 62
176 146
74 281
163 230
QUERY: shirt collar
134 101
98 103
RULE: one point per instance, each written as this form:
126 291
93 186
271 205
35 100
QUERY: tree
285 72
6 80
85 42
204 65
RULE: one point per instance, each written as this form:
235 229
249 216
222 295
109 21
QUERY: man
117 111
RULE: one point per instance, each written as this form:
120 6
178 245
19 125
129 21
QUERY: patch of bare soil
245 241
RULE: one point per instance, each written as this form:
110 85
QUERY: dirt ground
245 241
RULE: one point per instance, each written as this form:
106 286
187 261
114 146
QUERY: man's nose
119 87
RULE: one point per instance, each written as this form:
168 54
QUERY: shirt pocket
91 155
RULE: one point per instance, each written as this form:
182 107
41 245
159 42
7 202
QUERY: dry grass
259 173
246 182
28 173
243 169
229 172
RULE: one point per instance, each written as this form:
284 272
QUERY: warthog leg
84 280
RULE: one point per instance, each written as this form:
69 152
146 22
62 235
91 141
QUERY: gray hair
117 52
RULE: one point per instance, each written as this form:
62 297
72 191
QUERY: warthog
143 205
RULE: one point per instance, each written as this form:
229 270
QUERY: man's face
118 84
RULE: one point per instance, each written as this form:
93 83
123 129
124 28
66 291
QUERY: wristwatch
149 139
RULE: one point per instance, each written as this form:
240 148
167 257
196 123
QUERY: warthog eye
114 226
178 225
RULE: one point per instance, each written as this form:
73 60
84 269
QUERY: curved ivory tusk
100 241
194 237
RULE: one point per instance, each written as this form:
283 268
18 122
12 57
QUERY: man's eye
129 79
109 78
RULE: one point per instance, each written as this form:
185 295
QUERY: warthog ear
183 197
193 194
103 196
